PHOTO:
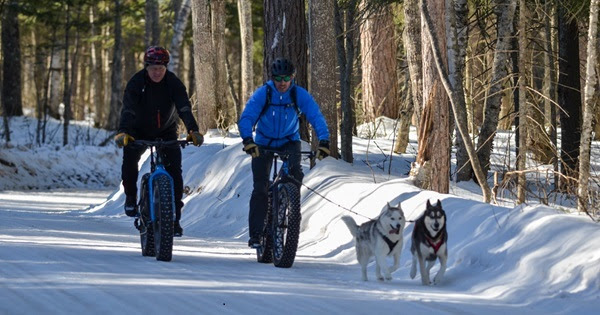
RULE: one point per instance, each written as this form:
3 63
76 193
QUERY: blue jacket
279 123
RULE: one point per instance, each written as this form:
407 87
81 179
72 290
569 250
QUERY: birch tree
183 16
247 41
505 10
589 108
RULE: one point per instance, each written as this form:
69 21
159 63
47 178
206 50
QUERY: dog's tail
352 226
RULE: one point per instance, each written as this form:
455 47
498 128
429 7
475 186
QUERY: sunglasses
285 78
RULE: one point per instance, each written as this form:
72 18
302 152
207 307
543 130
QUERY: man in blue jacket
274 110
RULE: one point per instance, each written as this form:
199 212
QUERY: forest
457 71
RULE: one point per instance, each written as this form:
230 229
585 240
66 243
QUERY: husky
380 237
429 242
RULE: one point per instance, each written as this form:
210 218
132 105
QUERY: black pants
261 171
172 163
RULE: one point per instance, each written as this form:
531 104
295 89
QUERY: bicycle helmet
282 66
156 55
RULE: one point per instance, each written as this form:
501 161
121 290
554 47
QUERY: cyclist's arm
132 95
182 103
310 108
252 111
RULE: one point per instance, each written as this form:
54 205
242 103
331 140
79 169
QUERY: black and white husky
380 237
429 239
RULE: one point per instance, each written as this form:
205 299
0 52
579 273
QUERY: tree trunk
285 35
322 64
152 34
569 95
378 59
414 58
506 11
458 111
182 18
116 78
589 108
225 111
345 55
434 138
11 69
66 82
96 74
457 48
204 71
247 41
523 106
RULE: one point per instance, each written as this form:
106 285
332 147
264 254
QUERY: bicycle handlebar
310 154
161 143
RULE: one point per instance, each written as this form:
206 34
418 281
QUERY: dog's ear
389 205
428 203
399 205
439 204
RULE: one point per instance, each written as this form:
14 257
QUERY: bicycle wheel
163 217
287 226
145 227
264 254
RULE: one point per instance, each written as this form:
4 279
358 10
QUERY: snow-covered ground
72 250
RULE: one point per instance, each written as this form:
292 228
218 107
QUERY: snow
67 247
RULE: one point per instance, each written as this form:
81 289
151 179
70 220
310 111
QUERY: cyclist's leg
261 168
129 169
172 160
294 148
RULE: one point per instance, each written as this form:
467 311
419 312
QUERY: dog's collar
436 244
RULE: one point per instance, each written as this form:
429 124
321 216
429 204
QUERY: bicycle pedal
255 246
136 223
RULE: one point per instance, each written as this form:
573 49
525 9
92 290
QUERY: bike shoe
177 229
131 206
254 242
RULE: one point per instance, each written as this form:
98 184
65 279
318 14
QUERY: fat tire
286 228
163 213
146 230
264 254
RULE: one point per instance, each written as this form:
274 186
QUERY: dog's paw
437 280
380 278
388 278
413 274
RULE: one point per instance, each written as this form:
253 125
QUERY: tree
322 64
285 36
225 113
523 106
116 78
378 59
344 29
589 108
505 10
569 95
11 69
152 35
432 166
183 16
204 71
247 41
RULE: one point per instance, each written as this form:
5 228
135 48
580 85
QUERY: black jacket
151 110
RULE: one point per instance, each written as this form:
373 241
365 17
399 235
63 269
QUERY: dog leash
327 199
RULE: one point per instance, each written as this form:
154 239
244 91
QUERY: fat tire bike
156 213
281 229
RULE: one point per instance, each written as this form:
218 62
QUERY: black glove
196 138
250 147
323 149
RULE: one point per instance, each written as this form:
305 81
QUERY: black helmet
282 66
156 55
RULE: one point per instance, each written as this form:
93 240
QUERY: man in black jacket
154 99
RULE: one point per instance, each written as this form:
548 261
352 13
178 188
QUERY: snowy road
56 259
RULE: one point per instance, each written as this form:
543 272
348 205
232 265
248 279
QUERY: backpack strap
268 103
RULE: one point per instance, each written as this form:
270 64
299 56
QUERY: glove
250 147
323 149
122 139
196 137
